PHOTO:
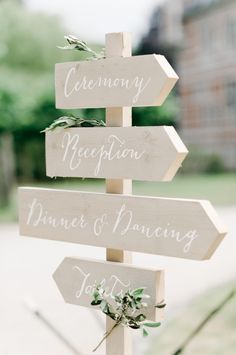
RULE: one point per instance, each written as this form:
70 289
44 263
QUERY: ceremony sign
140 153
173 227
76 279
112 82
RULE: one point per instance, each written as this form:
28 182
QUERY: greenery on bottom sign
128 311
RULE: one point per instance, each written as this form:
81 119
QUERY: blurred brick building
203 35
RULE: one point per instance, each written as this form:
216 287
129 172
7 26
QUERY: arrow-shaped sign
141 153
112 82
174 227
77 278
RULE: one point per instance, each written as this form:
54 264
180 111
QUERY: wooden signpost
117 220
118 45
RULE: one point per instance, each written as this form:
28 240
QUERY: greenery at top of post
77 44
128 310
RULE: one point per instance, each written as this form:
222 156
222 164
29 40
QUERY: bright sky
91 19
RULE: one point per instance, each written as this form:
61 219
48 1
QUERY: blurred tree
27 57
167 114
15 1
29 39
28 54
152 42
155 39
7 161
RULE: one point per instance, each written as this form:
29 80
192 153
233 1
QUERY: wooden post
118 44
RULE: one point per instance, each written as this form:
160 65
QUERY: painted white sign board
112 82
77 278
173 227
140 153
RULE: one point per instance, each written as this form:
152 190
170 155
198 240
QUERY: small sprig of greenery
128 310
72 121
77 44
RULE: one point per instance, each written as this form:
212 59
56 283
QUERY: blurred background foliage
28 54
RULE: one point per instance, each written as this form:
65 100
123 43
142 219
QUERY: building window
231 31
209 115
207 37
231 98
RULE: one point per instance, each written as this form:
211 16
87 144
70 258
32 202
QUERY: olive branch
125 311
77 44
72 121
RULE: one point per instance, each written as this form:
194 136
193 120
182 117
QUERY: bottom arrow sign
77 278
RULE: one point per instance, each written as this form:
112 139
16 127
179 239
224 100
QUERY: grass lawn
219 189
216 338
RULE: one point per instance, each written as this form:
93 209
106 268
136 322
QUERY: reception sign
140 153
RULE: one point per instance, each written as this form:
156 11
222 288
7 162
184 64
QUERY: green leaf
137 299
107 309
114 316
68 47
96 294
161 305
152 324
145 333
96 302
134 325
137 291
140 318
118 299
104 306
